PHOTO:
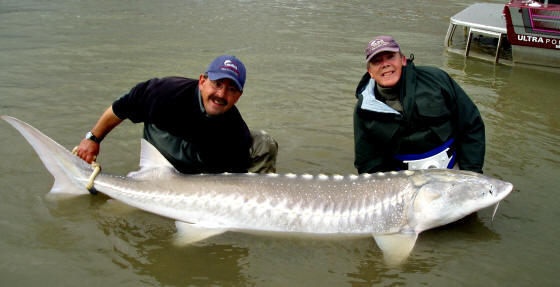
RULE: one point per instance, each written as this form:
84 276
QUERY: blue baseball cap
227 67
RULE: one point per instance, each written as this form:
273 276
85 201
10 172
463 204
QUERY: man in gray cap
410 117
193 122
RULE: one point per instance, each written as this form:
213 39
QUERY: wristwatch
90 136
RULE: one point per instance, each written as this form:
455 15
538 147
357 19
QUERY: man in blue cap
193 123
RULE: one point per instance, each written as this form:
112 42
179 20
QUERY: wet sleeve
471 133
366 156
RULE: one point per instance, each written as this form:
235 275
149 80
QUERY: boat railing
480 18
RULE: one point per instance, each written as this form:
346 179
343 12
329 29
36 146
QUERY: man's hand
88 150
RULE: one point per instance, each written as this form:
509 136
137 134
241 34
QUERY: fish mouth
505 190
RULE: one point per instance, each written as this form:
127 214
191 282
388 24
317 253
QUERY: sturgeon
393 207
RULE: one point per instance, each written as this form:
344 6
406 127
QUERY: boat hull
533 29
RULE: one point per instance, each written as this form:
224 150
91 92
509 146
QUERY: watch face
90 136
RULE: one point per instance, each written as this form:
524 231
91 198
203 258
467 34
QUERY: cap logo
378 43
229 65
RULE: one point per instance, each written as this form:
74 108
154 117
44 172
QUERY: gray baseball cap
381 44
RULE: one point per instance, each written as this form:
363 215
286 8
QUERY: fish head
444 196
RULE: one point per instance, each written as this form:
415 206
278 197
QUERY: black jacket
177 126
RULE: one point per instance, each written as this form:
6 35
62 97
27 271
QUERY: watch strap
91 136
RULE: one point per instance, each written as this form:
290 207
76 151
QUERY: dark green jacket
435 109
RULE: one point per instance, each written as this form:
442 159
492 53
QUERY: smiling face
386 68
218 96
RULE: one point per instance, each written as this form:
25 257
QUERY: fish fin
151 160
188 233
69 171
396 247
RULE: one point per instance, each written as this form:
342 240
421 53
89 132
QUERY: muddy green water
64 61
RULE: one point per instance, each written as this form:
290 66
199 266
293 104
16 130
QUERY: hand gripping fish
392 207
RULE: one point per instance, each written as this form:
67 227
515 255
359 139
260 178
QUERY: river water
64 61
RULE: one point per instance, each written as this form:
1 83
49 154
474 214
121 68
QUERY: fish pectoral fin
396 247
188 233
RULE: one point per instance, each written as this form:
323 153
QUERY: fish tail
69 171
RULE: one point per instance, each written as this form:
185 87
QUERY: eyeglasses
220 84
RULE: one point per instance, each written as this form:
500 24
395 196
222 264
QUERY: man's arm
366 156
471 134
88 149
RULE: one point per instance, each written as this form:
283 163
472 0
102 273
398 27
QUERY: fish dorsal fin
152 162
396 247
150 157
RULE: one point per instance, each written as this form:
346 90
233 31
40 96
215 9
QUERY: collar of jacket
370 103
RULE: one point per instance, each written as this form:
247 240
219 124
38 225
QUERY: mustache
219 100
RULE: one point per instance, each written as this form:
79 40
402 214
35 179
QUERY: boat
530 28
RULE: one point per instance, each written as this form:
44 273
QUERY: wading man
412 117
193 122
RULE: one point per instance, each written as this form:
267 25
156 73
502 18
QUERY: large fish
394 207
